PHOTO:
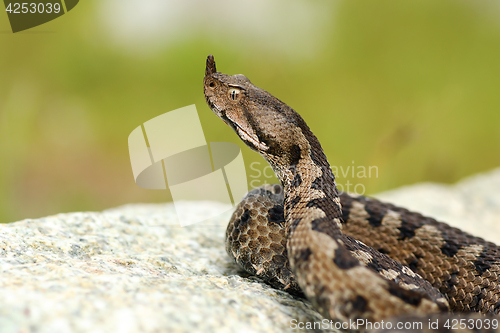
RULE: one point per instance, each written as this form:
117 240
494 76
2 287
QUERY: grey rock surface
134 269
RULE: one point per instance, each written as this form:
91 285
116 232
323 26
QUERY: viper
353 257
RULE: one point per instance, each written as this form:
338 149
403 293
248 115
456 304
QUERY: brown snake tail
352 257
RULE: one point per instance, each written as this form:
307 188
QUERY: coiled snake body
352 257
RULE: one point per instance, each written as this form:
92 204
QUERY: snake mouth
212 106
247 138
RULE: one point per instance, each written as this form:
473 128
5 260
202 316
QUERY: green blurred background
409 87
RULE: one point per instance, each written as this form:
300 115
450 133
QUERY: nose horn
210 65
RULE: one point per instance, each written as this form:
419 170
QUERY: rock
134 269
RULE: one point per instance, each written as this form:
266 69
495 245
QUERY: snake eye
234 93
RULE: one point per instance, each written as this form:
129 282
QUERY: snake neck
309 187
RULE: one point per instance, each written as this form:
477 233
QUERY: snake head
263 122
226 94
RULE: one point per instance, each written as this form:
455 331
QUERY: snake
353 257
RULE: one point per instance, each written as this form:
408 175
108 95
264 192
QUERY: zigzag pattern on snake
352 257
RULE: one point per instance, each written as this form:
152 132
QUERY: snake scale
352 257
